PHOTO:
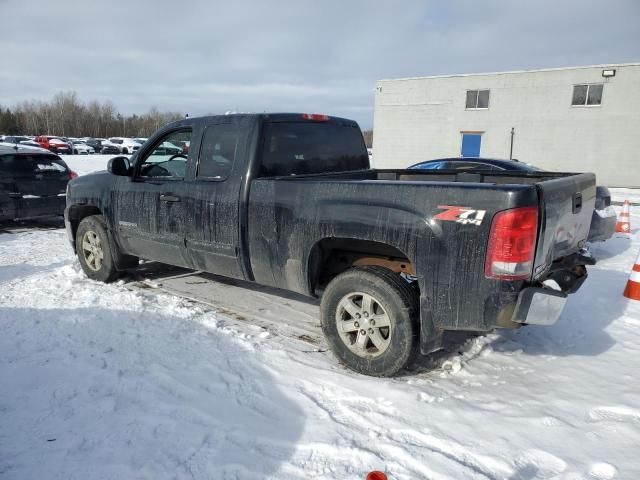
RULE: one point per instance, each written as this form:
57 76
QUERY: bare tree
66 115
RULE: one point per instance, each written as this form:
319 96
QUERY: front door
150 209
471 144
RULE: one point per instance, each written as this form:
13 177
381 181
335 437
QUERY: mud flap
430 336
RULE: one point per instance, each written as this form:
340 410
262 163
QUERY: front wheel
369 317
94 251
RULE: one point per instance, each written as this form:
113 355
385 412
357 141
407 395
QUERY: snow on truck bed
175 375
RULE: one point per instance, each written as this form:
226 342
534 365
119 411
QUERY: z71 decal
463 215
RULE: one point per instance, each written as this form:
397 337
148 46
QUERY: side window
218 151
167 159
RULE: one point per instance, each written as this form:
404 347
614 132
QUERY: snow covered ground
83 164
127 381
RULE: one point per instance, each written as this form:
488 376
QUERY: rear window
29 164
296 148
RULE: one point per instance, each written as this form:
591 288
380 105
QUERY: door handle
165 197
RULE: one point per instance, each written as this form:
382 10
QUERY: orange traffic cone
632 290
623 225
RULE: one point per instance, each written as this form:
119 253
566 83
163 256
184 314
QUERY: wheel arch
75 214
330 256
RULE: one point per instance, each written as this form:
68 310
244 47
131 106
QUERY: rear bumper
61 149
603 224
539 306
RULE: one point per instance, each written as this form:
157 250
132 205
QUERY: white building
566 119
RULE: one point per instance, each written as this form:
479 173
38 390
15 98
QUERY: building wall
422 119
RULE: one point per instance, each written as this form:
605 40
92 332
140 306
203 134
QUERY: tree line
66 116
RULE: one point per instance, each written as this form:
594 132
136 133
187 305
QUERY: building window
477 99
587 95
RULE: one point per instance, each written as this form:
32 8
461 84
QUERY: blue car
603 221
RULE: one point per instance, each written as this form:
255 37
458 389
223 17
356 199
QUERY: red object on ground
632 290
376 475
623 225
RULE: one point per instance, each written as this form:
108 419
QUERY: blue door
471 144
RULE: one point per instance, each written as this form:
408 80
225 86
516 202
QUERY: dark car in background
96 143
15 139
32 184
108 149
603 221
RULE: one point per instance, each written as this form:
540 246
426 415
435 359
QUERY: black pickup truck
290 201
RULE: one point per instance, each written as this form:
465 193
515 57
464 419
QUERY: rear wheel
94 251
369 317
125 151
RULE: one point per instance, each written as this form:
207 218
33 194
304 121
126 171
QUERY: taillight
512 243
72 174
316 117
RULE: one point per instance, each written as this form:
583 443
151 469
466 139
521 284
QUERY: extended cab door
150 209
212 201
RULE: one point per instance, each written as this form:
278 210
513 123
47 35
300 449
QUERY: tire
94 249
75 152
125 151
381 351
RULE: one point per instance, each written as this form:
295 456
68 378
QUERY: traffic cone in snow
623 225
632 290
376 475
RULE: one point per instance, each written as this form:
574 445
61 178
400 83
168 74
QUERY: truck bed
564 226
287 214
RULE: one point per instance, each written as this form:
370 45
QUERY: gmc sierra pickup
290 201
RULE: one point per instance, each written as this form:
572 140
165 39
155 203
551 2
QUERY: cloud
200 56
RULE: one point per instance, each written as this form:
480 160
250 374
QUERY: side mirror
119 166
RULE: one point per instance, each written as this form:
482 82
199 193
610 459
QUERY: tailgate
567 205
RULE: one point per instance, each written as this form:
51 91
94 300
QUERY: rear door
567 205
212 199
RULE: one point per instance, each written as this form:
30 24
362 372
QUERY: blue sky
198 57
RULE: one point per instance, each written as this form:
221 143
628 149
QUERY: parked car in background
54 144
21 147
110 149
140 140
603 221
81 148
32 183
168 148
95 143
30 143
124 145
15 138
